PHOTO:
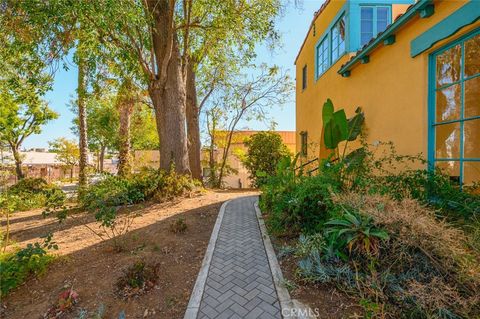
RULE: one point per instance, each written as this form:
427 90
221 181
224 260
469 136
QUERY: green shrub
31 193
374 224
264 151
16 267
117 191
105 198
433 188
29 185
378 169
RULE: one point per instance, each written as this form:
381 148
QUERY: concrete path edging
291 308
197 293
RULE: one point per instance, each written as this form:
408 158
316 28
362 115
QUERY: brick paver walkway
239 282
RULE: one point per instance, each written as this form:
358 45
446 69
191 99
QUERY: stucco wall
391 89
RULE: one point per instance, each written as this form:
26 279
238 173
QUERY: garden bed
323 299
93 268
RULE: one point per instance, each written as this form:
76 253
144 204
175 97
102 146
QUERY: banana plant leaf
327 112
333 135
340 119
355 124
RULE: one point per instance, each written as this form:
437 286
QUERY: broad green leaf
341 121
327 112
332 136
355 124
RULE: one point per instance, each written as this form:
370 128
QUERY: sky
293 26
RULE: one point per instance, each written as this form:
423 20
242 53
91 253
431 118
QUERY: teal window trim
319 56
432 89
327 35
340 53
375 8
467 14
354 21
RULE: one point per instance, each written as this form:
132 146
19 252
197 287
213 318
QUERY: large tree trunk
126 103
18 163
167 89
82 122
193 127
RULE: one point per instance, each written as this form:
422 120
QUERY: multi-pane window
322 56
304 143
304 77
373 20
456 110
338 39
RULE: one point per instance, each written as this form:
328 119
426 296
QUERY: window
322 56
304 143
373 20
338 39
304 77
332 45
455 109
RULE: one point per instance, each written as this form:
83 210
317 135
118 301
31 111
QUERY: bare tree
247 99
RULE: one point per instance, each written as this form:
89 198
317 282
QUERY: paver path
239 282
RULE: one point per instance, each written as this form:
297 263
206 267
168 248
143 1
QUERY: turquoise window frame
340 53
318 60
374 19
432 89
327 36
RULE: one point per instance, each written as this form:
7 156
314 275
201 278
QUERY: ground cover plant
372 223
16 266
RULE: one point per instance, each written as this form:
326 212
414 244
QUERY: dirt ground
92 267
326 301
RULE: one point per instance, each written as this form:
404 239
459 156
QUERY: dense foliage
15 267
108 198
264 151
30 193
374 224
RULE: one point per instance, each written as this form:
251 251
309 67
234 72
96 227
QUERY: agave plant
357 232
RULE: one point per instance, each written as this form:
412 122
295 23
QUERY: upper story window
338 38
304 77
322 56
373 20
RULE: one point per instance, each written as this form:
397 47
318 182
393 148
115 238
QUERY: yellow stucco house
413 67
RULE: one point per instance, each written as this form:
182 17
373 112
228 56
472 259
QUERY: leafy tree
68 153
264 152
102 124
221 37
144 131
18 121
